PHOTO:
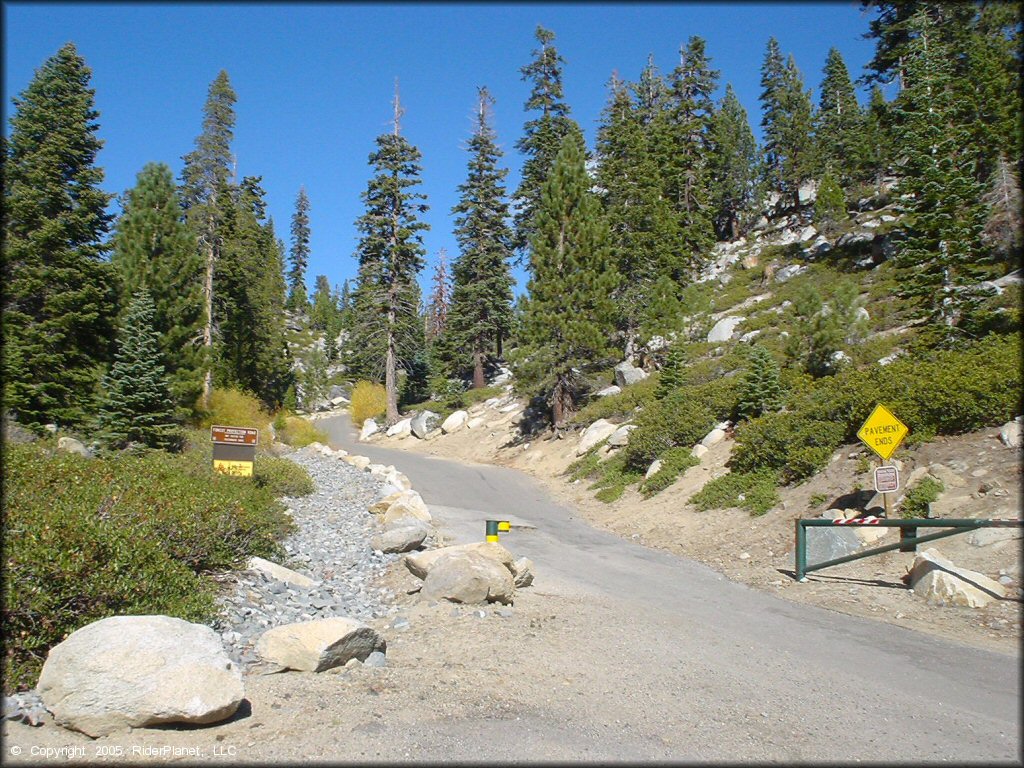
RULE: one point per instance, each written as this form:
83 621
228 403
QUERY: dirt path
619 652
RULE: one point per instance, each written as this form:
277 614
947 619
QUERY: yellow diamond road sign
882 432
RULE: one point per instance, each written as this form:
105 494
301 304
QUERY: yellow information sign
882 432
235 468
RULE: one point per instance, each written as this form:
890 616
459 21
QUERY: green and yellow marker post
494 527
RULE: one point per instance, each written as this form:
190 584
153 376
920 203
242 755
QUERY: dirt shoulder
982 477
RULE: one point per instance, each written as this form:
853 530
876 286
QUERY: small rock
744 556
70 445
626 373
376 659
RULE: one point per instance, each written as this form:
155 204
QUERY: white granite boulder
713 437
279 572
403 535
70 445
318 645
454 422
620 436
420 563
724 329
468 577
939 582
594 434
614 389
135 671
626 373
1010 433
423 423
401 428
369 428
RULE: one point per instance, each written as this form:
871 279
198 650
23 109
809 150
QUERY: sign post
882 432
234 450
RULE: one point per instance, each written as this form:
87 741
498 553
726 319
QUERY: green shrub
754 491
916 500
235 408
674 462
679 420
130 534
282 477
613 477
369 401
619 406
793 445
586 465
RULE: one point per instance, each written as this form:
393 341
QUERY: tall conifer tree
155 251
787 124
838 125
733 165
206 191
480 318
137 406
387 323
570 315
59 298
299 253
944 243
542 135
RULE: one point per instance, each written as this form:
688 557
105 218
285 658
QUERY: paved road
827 684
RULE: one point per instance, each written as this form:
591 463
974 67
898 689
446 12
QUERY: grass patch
916 500
674 462
297 431
754 491
368 401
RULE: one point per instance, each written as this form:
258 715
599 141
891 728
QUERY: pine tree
321 315
673 372
570 315
943 247
480 316
543 135
436 318
829 205
387 328
1004 226
733 165
874 151
206 195
250 298
59 301
838 125
299 254
760 389
787 124
155 251
313 381
686 150
644 241
137 405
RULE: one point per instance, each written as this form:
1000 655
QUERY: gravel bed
331 544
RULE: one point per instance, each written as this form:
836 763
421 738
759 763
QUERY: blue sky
315 83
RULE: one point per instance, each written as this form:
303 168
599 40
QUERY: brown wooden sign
234 435
234 450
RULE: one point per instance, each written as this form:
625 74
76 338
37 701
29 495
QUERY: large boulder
626 373
454 422
405 508
279 572
369 428
423 422
402 536
620 436
70 445
315 646
614 389
134 671
594 434
938 581
468 577
1010 433
359 462
420 563
724 329
400 428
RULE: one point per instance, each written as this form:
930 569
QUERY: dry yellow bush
368 401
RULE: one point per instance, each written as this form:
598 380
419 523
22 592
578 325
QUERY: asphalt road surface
740 673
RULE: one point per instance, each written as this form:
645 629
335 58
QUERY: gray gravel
331 544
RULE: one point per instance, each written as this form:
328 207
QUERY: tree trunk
560 405
208 326
478 370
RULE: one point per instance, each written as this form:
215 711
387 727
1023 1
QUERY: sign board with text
887 479
234 450
882 432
